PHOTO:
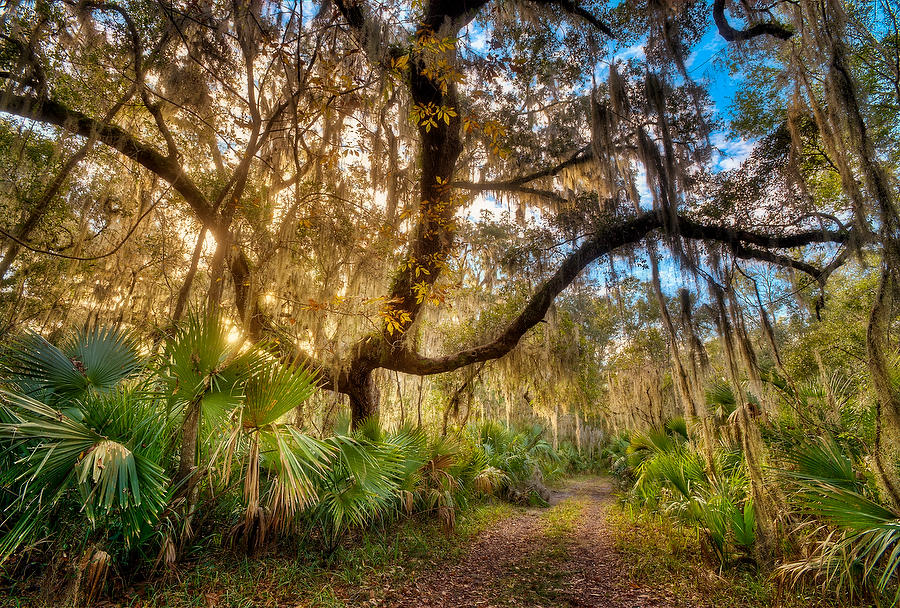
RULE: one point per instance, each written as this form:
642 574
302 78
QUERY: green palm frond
720 398
680 469
92 361
656 440
370 430
198 359
841 506
297 462
282 465
865 546
357 488
743 524
678 428
37 368
116 473
273 391
107 356
201 368
864 543
823 461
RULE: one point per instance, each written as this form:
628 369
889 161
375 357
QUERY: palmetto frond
95 360
281 462
202 369
297 462
107 355
115 473
199 360
720 399
865 546
864 543
274 390
355 489
489 480
823 460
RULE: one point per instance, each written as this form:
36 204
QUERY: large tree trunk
364 397
887 419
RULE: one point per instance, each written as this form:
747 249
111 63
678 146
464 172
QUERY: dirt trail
523 561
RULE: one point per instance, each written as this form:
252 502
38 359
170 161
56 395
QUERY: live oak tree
315 164
330 151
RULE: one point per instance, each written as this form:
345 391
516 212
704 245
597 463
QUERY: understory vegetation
279 276
92 429
833 534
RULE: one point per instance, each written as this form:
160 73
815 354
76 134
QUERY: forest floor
564 555
584 550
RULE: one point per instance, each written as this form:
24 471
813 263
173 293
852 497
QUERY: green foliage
90 432
670 475
91 361
524 457
856 539
201 368
112 457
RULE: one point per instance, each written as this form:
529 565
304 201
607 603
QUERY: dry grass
661 553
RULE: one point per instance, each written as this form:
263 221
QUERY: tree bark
185 290
190 431
364 397
887 417
734 35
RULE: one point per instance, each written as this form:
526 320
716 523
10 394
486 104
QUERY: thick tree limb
693 230
751 253
604 242
760 29
50 111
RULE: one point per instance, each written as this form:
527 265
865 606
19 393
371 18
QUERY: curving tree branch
50 111
760 29
573 8
604 242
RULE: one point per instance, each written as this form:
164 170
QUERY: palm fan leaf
107 356
273 391
116 474
823 461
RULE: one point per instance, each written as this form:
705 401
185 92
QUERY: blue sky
707 65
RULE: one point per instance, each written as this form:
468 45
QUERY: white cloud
477 37
636 51
730 153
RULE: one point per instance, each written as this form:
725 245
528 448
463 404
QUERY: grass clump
560 520
358 572
659 553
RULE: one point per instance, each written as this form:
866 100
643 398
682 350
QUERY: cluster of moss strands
843 131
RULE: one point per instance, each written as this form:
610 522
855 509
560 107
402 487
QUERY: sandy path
516 563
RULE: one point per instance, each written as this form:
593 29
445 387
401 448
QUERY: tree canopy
317 169
676 219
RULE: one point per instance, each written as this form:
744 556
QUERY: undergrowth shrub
93 463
